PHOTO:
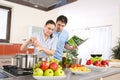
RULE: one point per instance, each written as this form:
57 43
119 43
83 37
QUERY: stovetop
17 71
4 74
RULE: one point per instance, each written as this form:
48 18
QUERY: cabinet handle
5 61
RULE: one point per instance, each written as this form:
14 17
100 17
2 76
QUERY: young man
63 36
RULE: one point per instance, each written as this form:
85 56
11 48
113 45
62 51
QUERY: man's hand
74 47
67 46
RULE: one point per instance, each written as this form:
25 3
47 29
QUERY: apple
38 72
107 63
59 67
44 65
104 62
59 72
96 59
93 59
53 66
54 60
89 62
97 63
49 72
37 65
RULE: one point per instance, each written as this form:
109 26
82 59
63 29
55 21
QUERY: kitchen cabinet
7 60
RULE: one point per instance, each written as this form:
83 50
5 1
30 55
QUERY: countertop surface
69 76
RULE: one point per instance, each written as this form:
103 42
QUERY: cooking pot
26 61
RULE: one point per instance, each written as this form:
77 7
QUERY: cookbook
75 41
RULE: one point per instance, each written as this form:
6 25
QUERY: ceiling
45 5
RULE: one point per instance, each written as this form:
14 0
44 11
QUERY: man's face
60 25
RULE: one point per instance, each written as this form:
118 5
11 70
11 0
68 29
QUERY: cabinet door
7 61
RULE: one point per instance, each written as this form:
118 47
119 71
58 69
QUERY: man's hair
62 18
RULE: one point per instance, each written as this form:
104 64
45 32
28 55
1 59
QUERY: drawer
5 61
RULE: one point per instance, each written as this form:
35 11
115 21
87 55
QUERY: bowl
49 77
98 68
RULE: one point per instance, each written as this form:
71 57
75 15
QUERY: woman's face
48 29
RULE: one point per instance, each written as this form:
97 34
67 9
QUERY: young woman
44 42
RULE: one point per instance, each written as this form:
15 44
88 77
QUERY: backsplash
12 49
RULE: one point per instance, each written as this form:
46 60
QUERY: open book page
75 41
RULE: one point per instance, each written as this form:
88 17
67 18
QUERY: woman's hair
50 22
62 18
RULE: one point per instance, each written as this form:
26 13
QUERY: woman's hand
34 41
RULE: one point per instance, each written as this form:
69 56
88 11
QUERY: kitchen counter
94 74
90 76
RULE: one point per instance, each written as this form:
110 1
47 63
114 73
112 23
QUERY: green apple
100 59
54 60
49 72
38 63
59 67
59 72
35 66
38 72
94 59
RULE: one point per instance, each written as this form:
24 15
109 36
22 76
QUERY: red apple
89 62
44 65
54 66
104 62
97 63
107 63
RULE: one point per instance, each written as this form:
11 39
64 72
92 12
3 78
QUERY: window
5 23
99 41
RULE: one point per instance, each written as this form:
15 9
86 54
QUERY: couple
52 40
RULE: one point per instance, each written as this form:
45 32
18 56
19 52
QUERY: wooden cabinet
5 60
